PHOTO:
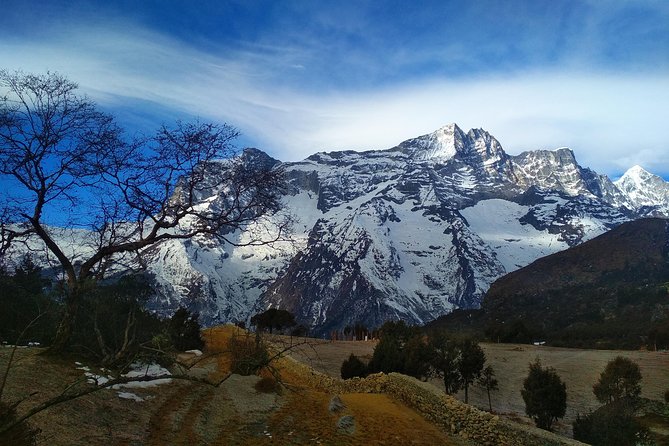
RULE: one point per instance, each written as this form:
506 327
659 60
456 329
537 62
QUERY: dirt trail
196 414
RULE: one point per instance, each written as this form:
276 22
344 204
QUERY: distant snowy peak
644 188
440 145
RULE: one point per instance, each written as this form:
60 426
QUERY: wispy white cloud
612 121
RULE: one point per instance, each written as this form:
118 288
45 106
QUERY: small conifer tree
545 395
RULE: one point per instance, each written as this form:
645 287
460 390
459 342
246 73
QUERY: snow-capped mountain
411 232
647 193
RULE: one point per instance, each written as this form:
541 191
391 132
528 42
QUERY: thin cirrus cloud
611 120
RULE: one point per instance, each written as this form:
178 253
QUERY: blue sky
303 76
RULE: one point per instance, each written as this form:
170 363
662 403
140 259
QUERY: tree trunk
466 393
489 400
64 332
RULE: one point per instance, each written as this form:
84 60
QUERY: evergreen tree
620 379
545 395
184 330
401 349
445 361
472 360
26 303
611 425
353 367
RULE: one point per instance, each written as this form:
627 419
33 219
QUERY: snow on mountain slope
516 245
222 281
427 226
385 260
441 145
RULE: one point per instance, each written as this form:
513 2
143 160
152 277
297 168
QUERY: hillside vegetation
609 292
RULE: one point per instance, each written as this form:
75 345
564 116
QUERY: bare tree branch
61 156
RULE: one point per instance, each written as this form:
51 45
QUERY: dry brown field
578 368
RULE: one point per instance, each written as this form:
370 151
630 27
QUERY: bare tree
488 381
63 161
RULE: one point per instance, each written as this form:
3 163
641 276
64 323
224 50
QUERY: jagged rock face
551 169
368 268
412 232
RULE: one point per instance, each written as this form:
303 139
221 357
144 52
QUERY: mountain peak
565 150
449 128
450 140
636 176
636 171
644 188
444 143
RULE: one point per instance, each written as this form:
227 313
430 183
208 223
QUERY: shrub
299 331
273 318
353 367
620 379
267 384
610 425
545 395
184 330
20 435
248 354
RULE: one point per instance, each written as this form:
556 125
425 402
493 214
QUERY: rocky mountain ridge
411 232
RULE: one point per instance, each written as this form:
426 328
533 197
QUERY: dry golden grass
217 344
101 418
304 419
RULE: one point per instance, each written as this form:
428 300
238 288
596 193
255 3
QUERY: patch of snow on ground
130 396
138 370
